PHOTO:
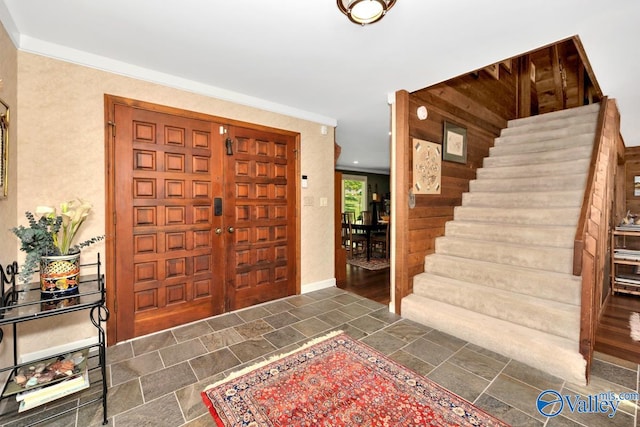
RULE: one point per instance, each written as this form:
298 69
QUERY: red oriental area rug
337 381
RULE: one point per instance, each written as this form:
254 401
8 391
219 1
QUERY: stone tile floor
156 380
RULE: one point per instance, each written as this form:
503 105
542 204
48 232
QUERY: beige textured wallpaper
8 206
8 93
60 155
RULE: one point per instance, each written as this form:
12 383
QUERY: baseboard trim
316 286
41 354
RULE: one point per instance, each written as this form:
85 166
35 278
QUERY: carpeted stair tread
551 216
537 235
567 167
559 260
520 199
560 318
512 145
524 280
541 134
576 114
550 353
527 183
580 152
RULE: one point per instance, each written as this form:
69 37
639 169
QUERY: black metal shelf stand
22 303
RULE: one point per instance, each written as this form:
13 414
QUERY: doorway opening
358 192
354 194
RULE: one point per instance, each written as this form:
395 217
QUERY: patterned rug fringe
259 365
373 264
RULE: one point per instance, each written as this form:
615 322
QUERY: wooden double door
203 216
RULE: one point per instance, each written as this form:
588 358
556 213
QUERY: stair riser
546 135
551 259
558 216
506 146
543 169
560 237
532 200
550 124
538 158
569 114
563 321
536 283
556 355
550 183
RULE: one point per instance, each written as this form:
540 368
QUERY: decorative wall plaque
427 167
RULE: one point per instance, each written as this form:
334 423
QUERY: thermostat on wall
305 183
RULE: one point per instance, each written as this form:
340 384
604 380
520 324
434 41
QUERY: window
354 194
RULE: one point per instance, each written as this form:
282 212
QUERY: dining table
368 230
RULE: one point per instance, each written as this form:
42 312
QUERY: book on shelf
628 280
34 398
628 254
628 227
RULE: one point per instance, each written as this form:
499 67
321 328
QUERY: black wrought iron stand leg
100 315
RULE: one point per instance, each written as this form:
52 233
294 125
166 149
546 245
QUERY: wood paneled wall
482 105
632 169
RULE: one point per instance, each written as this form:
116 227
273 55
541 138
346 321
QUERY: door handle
231 229
218 231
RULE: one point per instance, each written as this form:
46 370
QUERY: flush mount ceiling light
365 11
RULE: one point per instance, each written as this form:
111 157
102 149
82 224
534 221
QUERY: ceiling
304 58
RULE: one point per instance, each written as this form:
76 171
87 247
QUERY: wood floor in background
612 335
369 284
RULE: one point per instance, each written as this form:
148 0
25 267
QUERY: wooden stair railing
591 243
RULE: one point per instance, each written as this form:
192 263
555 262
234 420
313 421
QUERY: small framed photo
454 143
636 186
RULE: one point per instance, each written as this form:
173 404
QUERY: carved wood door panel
260 193
169 261
197 229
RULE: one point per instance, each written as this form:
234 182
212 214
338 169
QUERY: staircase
501 277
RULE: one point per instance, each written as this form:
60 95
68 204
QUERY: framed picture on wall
4 149
454 143
636 186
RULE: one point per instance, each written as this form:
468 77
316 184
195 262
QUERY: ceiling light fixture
364 12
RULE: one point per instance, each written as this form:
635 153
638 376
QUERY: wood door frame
340 258
110 101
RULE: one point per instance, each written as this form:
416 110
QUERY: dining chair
366 217
356 242
347 220
380 241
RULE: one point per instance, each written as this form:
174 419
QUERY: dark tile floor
156 380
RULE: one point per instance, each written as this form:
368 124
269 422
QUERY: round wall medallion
422 112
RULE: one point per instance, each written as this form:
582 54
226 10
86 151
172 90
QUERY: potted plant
48 242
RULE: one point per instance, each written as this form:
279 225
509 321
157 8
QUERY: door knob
231 229
218 231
